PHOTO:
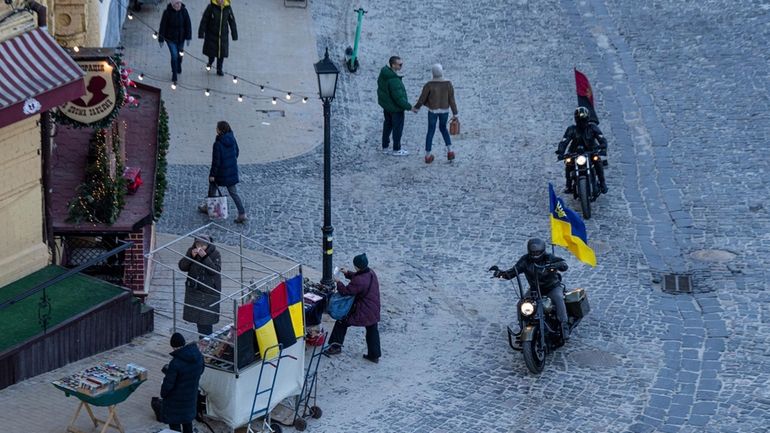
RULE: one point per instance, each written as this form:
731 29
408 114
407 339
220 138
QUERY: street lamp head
327 77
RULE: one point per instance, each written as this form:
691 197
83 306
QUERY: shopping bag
339 305
217 206
454 126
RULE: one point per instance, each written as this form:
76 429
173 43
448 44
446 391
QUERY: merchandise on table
105 377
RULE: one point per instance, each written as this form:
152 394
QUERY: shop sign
100 99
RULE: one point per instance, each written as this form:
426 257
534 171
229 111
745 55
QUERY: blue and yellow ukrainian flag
569 231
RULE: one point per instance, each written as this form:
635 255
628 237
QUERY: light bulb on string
207 92
76 49
288 96
240 98
208 67
155 35
275 100
141 77
173 86
235 79
261 88
304 100
181 53
130 16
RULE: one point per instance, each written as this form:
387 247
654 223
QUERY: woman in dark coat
180 385
217 22
175 29
204 284
224 168
365 311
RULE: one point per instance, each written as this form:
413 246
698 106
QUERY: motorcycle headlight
527 308
581 160
595 157
568 160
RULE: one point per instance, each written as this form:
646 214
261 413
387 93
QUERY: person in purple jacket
365 311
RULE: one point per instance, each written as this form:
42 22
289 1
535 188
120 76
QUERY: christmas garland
100 199
120 75
162 165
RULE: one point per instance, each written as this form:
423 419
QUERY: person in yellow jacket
216 24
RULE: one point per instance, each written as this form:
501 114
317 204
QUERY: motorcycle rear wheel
534 354
585 201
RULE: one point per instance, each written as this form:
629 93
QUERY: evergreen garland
100 199
161 166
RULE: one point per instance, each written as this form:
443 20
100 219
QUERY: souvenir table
103 385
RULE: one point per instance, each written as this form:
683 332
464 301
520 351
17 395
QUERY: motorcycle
585 183
539 329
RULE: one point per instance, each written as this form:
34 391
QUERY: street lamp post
327 87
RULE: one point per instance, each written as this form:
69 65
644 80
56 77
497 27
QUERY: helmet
535 248
582 115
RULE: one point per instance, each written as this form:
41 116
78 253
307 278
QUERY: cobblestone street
681 89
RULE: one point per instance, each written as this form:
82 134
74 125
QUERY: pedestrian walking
217 22
224 169
391 95
364 312
175 30
438 95
180 385
203 287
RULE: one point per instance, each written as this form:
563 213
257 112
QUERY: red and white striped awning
36 74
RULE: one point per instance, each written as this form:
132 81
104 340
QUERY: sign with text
100 99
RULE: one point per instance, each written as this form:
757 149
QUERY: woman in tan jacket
438 95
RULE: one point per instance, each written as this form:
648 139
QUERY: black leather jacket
548 277
590 137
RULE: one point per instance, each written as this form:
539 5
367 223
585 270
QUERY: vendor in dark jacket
365 311
180 385
203 287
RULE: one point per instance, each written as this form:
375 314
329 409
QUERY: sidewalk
34 405
276 47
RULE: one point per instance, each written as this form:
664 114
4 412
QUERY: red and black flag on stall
585 95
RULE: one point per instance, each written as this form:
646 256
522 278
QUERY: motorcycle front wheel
585 201
534 353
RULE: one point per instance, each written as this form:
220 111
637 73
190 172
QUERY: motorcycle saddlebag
577 303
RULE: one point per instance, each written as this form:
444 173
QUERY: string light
155 35
275 100
181 53
240 98
261 88
141 77
304 100
173 85
235 79
76 49
207 92
208 67
130 16
288 96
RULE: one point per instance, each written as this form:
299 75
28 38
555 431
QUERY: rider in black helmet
541 268
587 134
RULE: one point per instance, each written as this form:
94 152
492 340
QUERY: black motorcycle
539 328
585 183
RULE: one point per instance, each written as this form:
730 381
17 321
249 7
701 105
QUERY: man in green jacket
391 95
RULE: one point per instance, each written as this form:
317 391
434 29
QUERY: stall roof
36 75
68 166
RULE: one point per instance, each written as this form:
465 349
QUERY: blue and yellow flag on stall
569 231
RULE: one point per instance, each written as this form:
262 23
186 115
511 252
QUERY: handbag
340 306
454 126
217 206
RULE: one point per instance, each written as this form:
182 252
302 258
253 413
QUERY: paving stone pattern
681 90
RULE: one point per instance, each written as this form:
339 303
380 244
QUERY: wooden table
109 399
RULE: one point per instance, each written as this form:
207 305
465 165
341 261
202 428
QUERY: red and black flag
585 95
279 311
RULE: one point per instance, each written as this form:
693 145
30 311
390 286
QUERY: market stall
255 358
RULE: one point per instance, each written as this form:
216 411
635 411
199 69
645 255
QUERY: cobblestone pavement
681 89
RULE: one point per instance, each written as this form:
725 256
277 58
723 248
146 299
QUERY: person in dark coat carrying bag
364 312
180 385
203 287
224 169
216 24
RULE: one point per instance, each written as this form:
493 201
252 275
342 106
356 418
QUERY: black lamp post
327 86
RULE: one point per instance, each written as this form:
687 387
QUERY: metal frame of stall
244 292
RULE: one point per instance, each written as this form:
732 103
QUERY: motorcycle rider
587 134
541 268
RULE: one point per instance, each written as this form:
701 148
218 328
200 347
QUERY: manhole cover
677 283
594 359
717 256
